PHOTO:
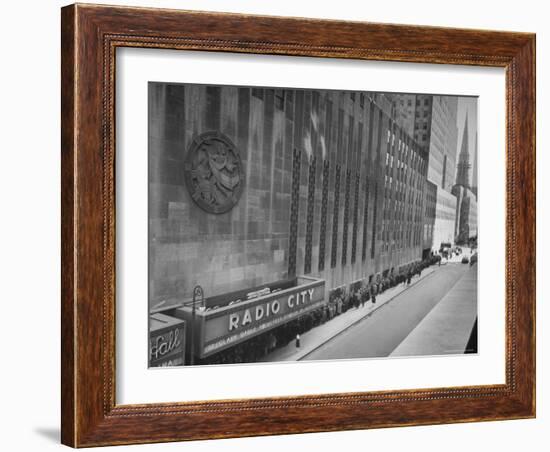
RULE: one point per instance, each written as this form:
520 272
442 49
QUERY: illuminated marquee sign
222 328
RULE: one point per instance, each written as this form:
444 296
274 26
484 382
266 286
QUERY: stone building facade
330 186
429 218
445 219
433 120
466 214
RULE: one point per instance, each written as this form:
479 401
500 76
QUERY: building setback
333 188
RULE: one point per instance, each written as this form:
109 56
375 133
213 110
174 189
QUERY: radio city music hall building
285 194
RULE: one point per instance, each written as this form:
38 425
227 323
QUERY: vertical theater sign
166 341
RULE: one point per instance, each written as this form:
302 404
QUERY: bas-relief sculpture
214 173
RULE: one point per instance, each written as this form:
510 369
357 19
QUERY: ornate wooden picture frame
90 37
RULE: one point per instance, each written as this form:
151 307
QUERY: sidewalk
321 334
447 328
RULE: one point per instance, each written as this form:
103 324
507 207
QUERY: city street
381 333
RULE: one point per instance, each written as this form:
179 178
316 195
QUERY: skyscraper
432 120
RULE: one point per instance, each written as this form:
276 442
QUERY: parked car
465 260
473 259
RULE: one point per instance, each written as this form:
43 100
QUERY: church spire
474 171
463 171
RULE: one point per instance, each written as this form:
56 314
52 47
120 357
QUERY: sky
467 105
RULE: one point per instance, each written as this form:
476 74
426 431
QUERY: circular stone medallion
214 172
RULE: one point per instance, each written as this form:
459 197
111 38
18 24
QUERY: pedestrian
297 341
373 299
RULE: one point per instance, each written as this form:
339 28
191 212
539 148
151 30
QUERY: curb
318 346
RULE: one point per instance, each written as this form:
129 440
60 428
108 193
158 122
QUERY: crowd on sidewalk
341 299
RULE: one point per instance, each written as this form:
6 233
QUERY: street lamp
197 293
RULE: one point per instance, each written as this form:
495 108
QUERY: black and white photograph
292 224
235 225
